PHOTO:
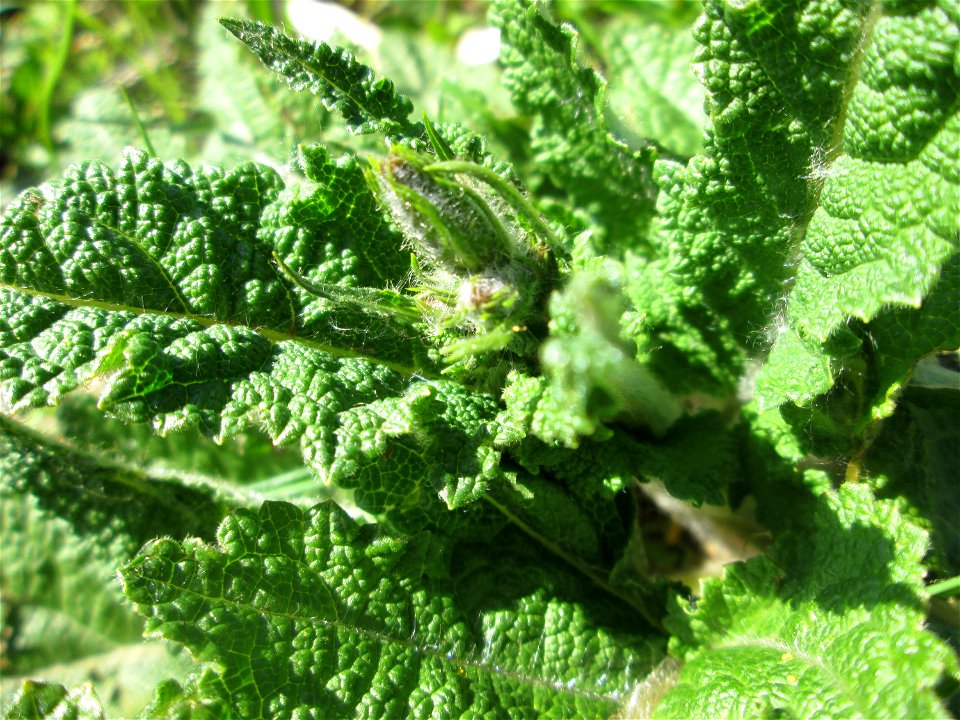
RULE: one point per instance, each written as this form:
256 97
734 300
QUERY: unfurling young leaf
332 73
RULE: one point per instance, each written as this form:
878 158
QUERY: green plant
526 356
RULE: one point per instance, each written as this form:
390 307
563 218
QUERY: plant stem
948 587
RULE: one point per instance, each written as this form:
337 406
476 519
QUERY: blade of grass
136 119
52 76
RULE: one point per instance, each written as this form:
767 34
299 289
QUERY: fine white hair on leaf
822 164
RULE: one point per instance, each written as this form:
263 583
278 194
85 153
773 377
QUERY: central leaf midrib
273 336
834 146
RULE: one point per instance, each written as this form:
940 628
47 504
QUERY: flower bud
451 222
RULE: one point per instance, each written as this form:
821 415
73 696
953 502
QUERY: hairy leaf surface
332 73
526 339
160 279
310 613
605 177
777 78
885 227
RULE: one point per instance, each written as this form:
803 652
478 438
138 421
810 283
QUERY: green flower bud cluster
484 263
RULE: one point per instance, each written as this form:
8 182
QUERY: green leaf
55 578
200 697
695 460
837 632
418 456
487 360
839 403
101 498
901 133
901 337
308 613
796 370
367 104
127 280
777 78
248 458
602 175
885 228
46 701
590 373
251 112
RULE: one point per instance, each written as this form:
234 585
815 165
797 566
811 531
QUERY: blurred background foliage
81 79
